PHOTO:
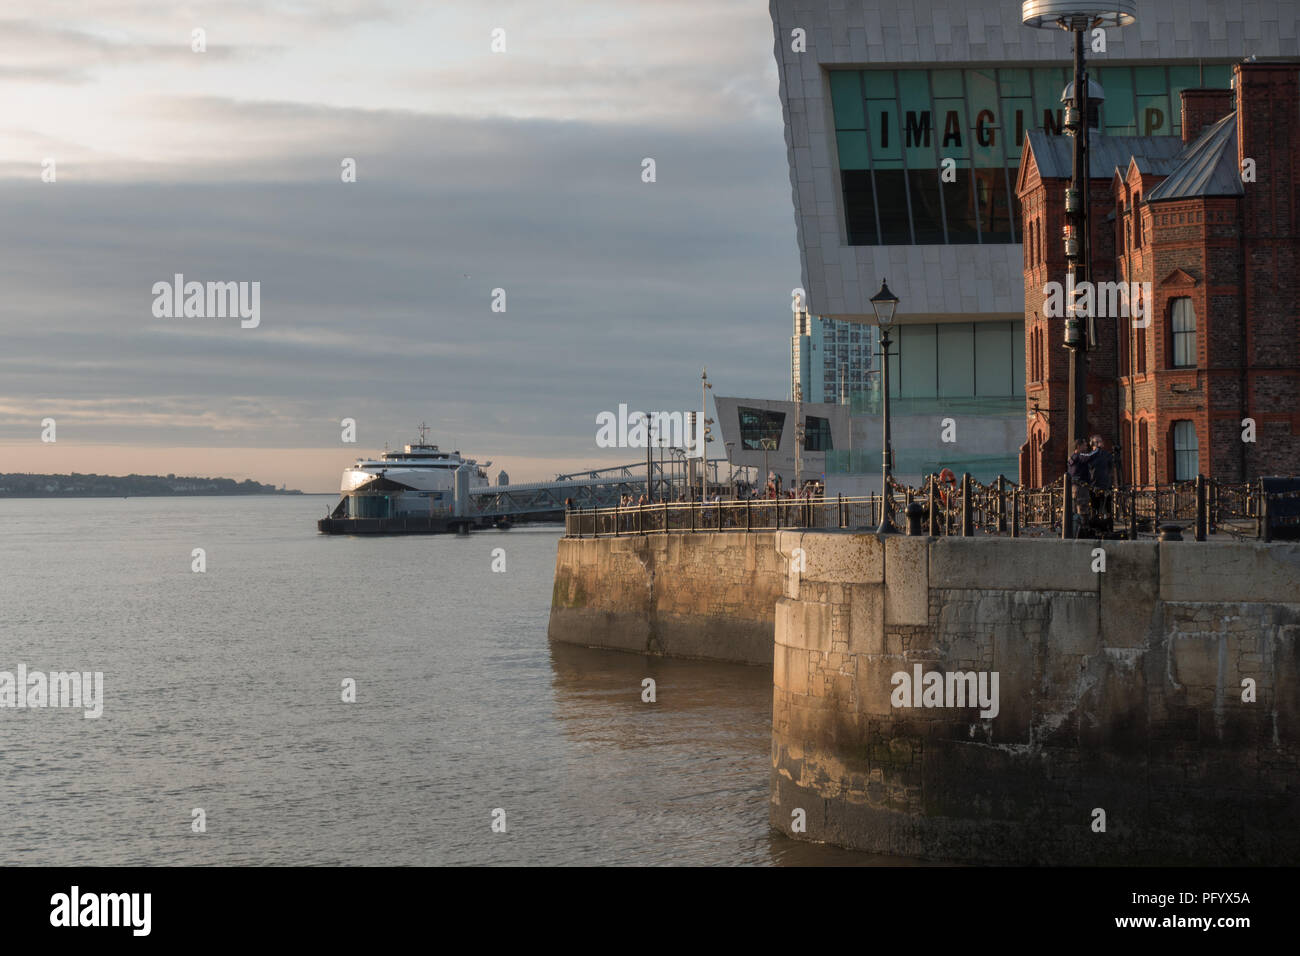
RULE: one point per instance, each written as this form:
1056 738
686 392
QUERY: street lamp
884 303
731 465
1078 17
769 444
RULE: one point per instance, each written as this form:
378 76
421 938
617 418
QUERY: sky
475 170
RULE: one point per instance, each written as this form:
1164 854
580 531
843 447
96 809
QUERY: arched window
1140 336
1182 329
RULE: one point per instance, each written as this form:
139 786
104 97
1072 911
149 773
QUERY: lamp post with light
1078 17
884 303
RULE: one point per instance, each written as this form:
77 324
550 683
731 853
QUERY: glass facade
957 360
757 424
894 128
817 434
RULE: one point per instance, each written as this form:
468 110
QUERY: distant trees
77 485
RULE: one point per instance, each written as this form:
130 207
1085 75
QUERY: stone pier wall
1120 693
707 595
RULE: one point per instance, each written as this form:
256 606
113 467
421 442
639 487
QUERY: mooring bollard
1171 532
914 512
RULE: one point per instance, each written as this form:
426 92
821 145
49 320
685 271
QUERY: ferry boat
413 490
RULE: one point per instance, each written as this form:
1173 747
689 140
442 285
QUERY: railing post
1200 508
966 530
1015 512
1263 513
840 510
640 519
934 507
1067 507
1213 516
749 521
692 507
1002 504
1132 512
665 518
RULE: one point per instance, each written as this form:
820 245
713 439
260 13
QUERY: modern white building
904 125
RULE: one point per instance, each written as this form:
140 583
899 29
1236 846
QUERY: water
223 692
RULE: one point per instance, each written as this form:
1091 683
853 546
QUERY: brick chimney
1202 108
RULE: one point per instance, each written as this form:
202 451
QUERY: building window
1185 451
1183 327
757 424
1140 347
1137 220
817 434
1144 453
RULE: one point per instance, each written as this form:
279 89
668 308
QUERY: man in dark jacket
1077 468
1101 473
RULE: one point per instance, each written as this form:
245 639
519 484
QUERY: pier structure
980 697
383 506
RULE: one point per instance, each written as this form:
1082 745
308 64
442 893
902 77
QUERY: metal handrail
969 508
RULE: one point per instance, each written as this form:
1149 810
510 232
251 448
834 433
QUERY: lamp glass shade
884 302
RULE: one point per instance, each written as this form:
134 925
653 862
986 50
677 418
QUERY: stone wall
1118 691
707 595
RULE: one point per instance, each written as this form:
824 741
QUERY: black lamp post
885 302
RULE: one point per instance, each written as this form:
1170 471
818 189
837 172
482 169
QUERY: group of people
1092 470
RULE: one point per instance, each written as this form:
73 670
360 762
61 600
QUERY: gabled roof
1207 168
1154 155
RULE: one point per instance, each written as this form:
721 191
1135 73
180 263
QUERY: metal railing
1066 509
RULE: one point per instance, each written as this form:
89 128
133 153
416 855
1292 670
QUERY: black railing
1264 509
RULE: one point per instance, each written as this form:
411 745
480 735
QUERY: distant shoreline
75 485
180 494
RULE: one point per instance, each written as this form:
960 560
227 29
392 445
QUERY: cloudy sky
476 170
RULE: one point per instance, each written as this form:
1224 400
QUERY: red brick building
1220 340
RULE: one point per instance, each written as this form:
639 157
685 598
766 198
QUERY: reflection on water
222 692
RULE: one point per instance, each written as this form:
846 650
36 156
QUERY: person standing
1101 473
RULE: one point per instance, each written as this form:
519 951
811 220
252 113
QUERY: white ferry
418 482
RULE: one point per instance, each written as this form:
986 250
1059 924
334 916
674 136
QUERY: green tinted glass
846 99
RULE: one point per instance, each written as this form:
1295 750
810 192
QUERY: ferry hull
408 524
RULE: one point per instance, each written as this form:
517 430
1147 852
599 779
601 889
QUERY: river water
223 692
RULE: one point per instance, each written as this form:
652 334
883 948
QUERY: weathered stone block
1130 591
867 619
803 624
907 579
1012 564
1199 571
837 557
